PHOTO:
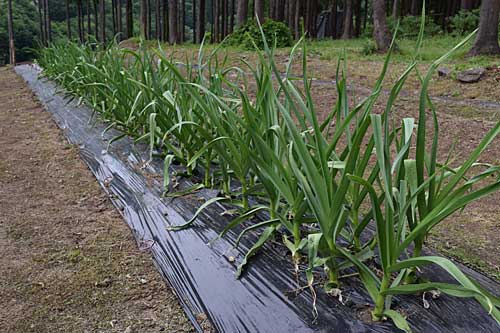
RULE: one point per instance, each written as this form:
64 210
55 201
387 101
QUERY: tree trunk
296 20
148 18
158 19
12 48
231 17
89 28
242 12
193 11
41 23
182 20
487 36
224 18
259 10
102 10
347 34
48 25
172 21
216 24
68 25
415 7
143 8
119 15
395 9
291 14
79 20
96 20
468 4
129 18
357 13
380 29
113 16
200 22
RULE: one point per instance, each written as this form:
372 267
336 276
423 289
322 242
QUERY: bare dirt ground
68 262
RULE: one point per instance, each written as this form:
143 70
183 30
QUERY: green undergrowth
313 177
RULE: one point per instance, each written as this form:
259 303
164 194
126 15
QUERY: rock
471 75
444 72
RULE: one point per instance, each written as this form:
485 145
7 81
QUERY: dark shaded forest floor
68 261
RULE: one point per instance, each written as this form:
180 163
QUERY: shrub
465 21
275 32
410 25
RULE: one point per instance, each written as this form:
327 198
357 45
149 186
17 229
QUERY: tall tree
102 14
224 17
89 29
216 23
242 12
144 19
12 48
172 22
259 10
200 22
347 34
68 23
96 20
79 19
129 18
194 18
296 19
119 15
43 39
48 25
395 9
182 21
487 36
380 29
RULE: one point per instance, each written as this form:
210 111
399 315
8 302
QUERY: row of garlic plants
258 127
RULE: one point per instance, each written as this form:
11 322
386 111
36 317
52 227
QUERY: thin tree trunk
224 18
148 18
41 23
182 20
172 21
395 9
48 24
200 25
231 17
129 18
113 15
334 19
347 34
380 29
89 28
291 13
144 18
158 19
487 36
102 10
242 12
164 30
12 48
357 13
119 15
193 11
296 21
259 10
216 21
68 24
96 20
79 20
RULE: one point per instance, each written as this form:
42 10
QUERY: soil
68 261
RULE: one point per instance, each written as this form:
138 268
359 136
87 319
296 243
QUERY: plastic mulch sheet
202 273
